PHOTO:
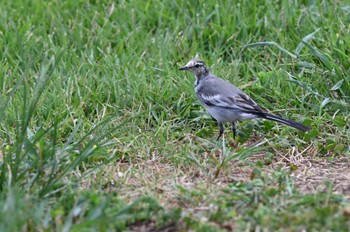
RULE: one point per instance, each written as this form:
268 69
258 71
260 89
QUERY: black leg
221 130
234 130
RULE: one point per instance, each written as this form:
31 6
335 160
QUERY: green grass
100 131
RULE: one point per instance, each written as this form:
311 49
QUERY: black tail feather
287 122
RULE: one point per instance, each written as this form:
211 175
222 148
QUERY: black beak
183 68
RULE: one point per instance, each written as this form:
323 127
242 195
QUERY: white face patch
197 67
195 64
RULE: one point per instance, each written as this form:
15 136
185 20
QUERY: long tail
287 122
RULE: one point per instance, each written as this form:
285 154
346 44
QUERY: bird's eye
197 65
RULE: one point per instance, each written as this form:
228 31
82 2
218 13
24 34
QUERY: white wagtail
227 103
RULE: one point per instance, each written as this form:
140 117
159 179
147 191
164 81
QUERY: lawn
100 131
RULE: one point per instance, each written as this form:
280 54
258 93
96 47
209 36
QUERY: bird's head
196 66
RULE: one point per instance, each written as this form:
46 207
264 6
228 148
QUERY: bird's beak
183 68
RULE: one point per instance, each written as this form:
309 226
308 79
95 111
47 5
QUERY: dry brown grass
164 181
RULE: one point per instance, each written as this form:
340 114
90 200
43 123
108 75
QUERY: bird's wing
222 94
240 101
245 102
217 100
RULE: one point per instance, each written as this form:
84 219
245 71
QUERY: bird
225 102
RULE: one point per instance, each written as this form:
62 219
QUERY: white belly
228 115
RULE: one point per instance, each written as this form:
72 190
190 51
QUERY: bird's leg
234 130
221 130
